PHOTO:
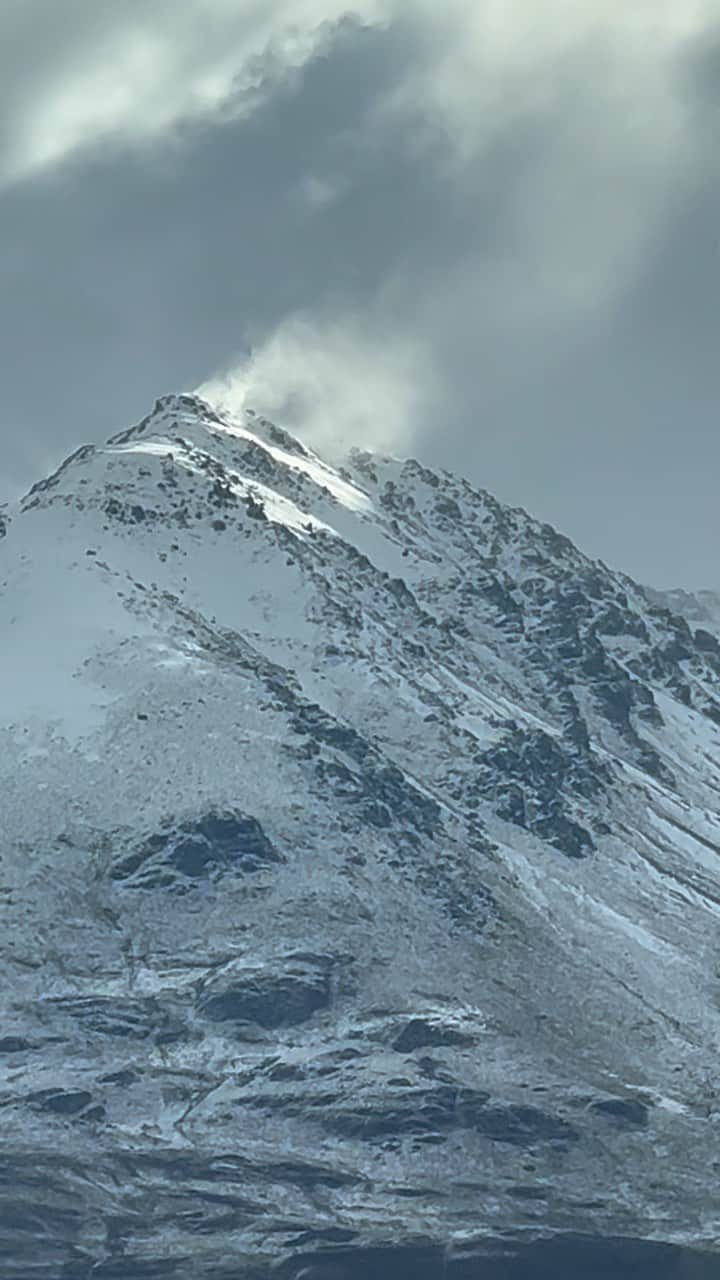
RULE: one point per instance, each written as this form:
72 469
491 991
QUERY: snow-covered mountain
360 879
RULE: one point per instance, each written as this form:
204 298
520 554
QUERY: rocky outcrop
195 850
279 994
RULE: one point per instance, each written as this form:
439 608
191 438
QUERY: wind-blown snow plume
335 383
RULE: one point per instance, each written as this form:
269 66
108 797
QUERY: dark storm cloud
610 427
133 271
557 289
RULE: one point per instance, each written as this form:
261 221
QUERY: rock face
194 850
360 879
700 608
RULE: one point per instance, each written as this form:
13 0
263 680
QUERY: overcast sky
482 231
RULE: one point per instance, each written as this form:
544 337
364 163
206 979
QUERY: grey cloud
93 71
606 421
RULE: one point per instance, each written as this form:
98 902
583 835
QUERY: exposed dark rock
127 1076
533 778
440 1109
121 1019
706 642
399 589
216 842
524 1192
290 994
14 1044
419 1034
62 1102
255 507
522 1126
381 790
414 1111
625 1111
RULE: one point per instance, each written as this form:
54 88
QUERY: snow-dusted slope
700 608
360 877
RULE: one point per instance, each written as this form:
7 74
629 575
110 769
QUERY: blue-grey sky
483 232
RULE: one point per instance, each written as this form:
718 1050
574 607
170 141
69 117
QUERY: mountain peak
173 408
186 410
